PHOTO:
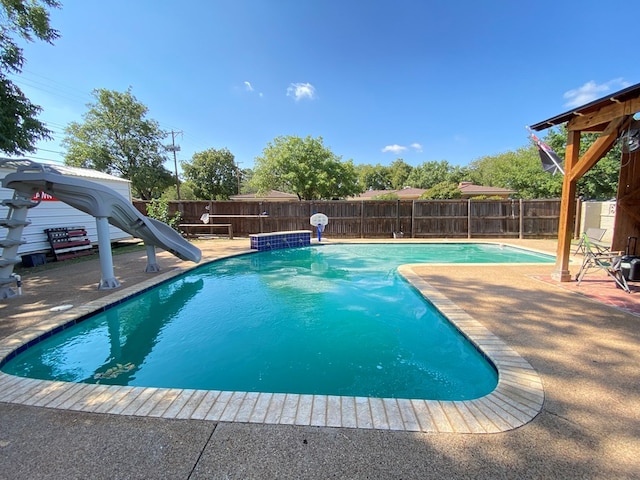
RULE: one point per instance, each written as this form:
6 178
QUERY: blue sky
379 80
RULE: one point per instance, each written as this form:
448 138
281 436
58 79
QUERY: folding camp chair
595 237
609 262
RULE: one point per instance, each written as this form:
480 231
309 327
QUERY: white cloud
591 91
301 90
394 149
248 87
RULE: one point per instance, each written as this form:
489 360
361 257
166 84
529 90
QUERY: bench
191 229
69 242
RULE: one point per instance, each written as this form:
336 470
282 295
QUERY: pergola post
567 209
628 206
610 116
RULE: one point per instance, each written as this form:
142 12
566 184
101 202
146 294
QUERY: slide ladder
14 223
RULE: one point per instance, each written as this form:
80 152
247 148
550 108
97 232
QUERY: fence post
469 218
578 222
362 219
413 216
521 220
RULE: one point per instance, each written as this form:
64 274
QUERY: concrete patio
585 351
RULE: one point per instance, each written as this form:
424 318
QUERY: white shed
52 213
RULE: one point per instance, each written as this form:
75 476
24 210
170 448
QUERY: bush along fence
383 219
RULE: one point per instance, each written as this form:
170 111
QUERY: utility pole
175 148
237 164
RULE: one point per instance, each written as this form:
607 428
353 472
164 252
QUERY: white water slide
107 206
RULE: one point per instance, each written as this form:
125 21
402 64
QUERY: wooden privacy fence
381 218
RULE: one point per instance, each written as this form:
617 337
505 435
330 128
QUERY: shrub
158 208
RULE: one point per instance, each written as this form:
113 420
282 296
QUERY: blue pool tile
280 240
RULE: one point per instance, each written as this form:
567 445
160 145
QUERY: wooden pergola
611 116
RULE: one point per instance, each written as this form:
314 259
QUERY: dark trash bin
33 260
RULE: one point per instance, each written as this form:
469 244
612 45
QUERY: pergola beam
599 148
594 120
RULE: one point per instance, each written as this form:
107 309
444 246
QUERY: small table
190 229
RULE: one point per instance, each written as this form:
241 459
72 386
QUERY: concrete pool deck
584 351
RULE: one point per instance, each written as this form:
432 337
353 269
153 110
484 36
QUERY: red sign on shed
43 197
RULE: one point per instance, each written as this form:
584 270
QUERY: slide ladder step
12 223
18 203
6 243
8 280
5 262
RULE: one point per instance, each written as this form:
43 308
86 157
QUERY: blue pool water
330 319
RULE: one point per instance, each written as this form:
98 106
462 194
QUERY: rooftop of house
469 188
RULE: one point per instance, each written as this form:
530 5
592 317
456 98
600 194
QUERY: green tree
599 183
158 208
186 192
117 138
386 196
246 174
305 167
432 173
373 177
20 130
213 174
442 191
518 170
399 171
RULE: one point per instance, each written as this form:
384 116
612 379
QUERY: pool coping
516 400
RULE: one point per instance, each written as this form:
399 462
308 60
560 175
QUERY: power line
61 90
55 125
34 85
50 151
33 157
203 145
66 91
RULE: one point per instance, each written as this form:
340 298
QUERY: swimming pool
328 320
